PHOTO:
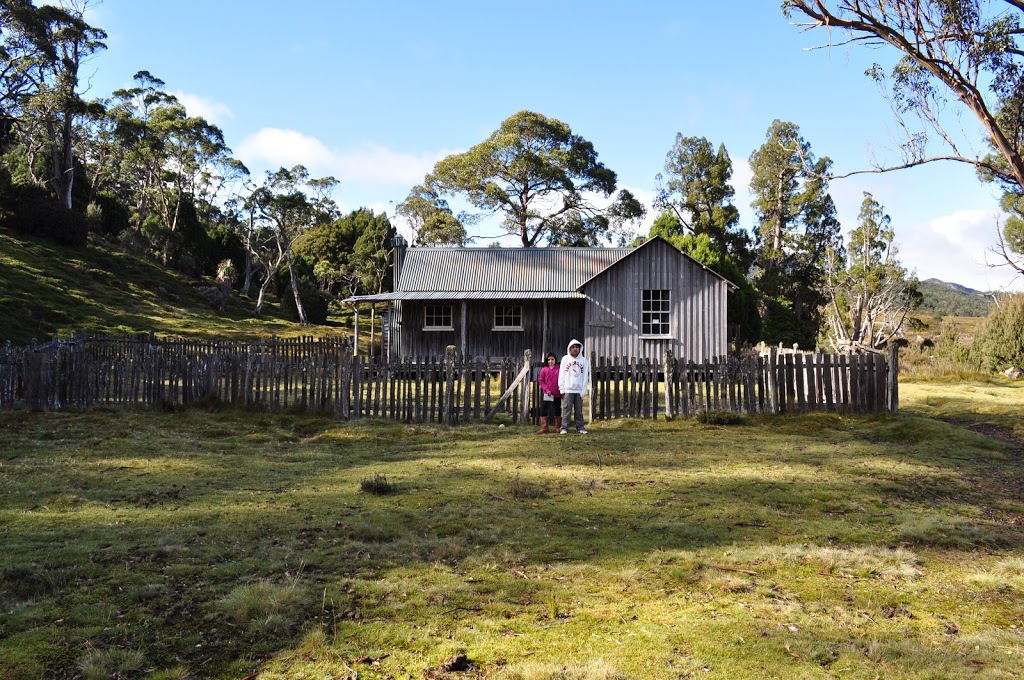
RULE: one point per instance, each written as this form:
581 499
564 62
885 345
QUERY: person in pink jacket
551 404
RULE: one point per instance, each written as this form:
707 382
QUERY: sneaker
581 431
563 432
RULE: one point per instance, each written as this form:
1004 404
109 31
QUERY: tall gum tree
51 112
285 205
796 224
695 187
871 293
965 50
539 176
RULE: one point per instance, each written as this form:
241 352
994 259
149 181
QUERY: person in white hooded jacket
573 379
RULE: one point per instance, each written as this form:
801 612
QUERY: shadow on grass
163 515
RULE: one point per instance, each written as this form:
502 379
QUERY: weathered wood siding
564 317
697 299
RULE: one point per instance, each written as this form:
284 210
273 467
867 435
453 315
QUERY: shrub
521 490
264 607
378 486
1000 342
33 211
115 662
719 418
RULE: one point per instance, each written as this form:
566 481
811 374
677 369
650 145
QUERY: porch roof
475 295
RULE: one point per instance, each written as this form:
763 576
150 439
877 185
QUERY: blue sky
374 93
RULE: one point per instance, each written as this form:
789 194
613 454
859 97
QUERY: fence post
346 359
773 383
669 406
893 391
449 382
592 389
525 408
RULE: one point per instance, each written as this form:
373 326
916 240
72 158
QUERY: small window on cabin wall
508 317
437 318
654 310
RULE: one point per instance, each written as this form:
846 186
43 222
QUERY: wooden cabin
497 302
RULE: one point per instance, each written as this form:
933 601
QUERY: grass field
241 545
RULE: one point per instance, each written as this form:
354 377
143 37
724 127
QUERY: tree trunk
259 298
295 290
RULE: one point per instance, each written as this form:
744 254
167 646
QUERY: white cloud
379 165
214 112
273 148
367 164
955 248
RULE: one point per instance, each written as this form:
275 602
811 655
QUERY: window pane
655 312
508 316
438 316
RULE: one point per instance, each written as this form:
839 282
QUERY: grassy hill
951 299
47 289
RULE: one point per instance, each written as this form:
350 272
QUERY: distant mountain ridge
953 299
956 286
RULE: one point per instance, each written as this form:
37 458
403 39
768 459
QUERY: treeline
942 300
138 171
798 283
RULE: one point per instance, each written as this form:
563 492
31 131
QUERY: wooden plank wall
697 297
565 322
321 375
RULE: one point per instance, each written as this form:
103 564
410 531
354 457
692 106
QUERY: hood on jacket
574 342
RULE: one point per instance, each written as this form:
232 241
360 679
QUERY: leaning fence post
668 384
893 392
525 408
449 383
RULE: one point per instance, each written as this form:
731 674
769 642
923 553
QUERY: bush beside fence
322 375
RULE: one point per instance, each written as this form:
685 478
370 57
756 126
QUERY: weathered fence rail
772 383
322 375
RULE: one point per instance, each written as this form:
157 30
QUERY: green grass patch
221 545
48 290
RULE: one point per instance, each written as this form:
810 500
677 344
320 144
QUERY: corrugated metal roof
472 295
510 272
503 273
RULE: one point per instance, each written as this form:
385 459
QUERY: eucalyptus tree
22 47
696 188
431 219
539 176
49 49
796 225
967 51
870 293
743 311
170 168
284 206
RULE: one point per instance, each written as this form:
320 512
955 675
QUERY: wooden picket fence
775 382
322 375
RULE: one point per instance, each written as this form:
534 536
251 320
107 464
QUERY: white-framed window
508 318
437 318
655 312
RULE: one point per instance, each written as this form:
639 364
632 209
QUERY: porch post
355 333
544 334
462 346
